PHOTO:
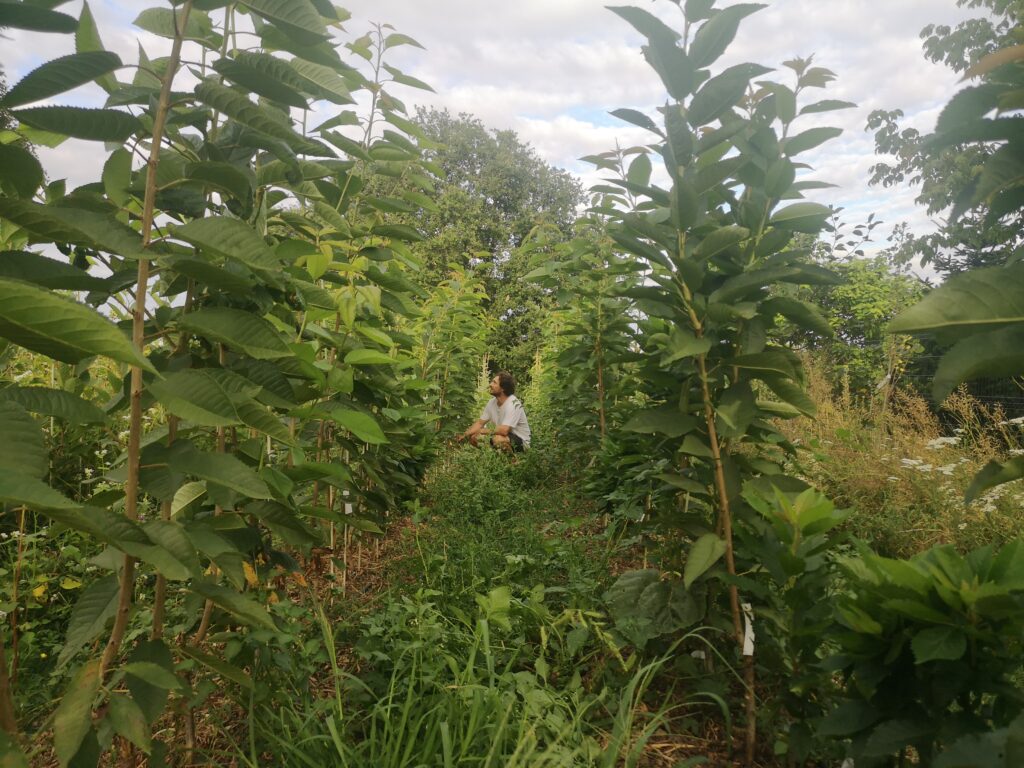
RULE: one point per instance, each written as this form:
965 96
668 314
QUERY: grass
904 469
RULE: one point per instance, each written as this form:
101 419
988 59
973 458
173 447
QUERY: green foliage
930 646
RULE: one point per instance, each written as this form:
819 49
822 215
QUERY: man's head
503 384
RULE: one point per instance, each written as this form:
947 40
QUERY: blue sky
552 70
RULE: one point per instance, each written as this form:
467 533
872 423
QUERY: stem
8 722
124 602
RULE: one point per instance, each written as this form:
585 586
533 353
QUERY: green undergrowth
490 648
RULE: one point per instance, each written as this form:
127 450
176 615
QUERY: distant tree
946 176
492 191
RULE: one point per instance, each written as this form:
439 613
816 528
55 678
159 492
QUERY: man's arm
474 430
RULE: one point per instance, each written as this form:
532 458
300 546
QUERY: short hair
506 382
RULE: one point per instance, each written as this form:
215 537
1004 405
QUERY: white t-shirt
510 414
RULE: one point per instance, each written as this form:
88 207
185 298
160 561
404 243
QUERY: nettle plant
231 262
713 246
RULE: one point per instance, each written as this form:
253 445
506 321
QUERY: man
511 431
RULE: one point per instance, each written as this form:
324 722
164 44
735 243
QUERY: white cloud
551 70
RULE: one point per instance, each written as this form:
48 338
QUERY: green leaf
715 35
87 39
801 313
403 79
171 537
225 670
665 420
297 18
790 393
95 607
154 674
60 75
362 425
11 755
993 355
240 109
704 553
22 449
646 23
117 176
81 122
938 643
683 343
826 106
365 356
54 402
637 118
721 239
229 238
802 217
48 223
323 83
22 15
23 490
809 139
61 328
721 93
186 495
73 718
227 177
206 396
238 329
20 169
995 473
768 362
127 720
221 468
736 410
163 22
248 610
968 303
266 75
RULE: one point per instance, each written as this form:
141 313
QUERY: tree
492 191
946 174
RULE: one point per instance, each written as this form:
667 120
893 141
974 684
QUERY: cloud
552 71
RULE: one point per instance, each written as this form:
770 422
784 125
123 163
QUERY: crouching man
505 411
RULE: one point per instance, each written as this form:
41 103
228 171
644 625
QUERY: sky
552 70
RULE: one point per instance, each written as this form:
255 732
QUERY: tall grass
903 467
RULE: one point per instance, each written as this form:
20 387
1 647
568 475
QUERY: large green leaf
60 75
48 273
221 468
222 668
240 109
993 355
82 122
969 303
802 217
266 75
239 605
54 402
169 536
48 223
298 18
322 82
87 39
21 15
24 490
721 93
663 420
365 356
224 176
229 238
149 675
73 718
22 450
163 22
720 240
809 139
207 396
127 720
61 328
715 35
800 313
704 553
646 23
240 330
20 169
362 425
938 643
95 607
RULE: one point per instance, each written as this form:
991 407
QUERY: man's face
495 387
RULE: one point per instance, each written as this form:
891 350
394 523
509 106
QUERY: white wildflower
962 526
911 462
947 469
942 442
